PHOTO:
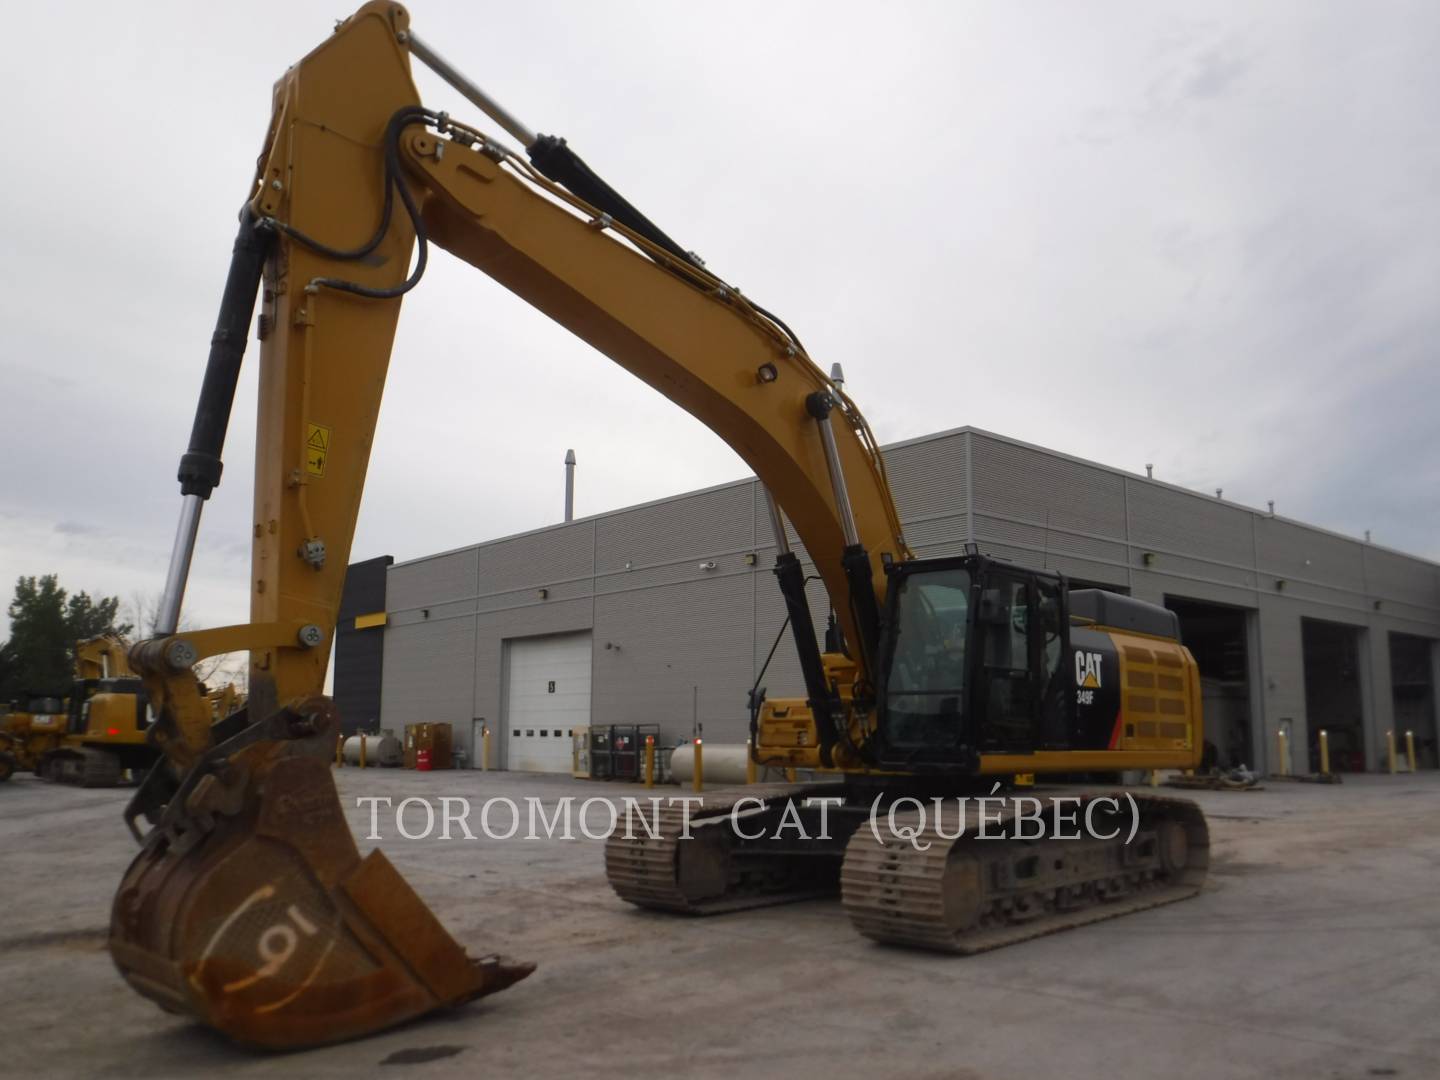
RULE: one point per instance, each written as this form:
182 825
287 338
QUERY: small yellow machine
102 732
91 737
26 733
249 905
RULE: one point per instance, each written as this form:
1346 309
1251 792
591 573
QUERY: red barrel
422 760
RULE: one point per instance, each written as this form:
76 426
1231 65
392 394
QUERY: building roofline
964 429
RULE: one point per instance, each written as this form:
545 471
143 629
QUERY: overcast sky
1204 235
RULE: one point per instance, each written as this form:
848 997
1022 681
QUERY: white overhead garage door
546 698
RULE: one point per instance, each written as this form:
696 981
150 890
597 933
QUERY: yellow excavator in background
31 727
249 906
95 734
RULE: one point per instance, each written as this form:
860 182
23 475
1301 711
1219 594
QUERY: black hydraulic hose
556 161
200 466
394 181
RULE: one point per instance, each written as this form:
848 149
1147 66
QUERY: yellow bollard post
1390 750
649 761
485 748
749 761
1282 743
340 751
362 749
1410 749
1154 777
1324 752
699 766
790 775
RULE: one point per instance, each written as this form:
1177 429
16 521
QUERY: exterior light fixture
542 593
750 559
1148 558
1279 584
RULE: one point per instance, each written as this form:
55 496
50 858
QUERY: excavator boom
249 906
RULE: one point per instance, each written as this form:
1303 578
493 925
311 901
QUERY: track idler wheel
250 909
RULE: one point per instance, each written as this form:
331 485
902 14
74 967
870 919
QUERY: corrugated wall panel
1018 482
673 573
703 525
928 477
530 596
944 530
437 612
554 555
668 641
1167 520
430 581
1202 571
428 669
1395 577
1286 550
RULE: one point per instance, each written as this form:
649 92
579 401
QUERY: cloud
1211 243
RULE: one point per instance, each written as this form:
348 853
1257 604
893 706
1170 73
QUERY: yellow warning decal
317 448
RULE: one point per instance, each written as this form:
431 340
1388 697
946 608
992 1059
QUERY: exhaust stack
569 485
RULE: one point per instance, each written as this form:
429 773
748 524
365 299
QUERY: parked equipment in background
92 736
32 728
617 750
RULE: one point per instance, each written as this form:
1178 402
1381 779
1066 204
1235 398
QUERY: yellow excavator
107 718
249 906
94 735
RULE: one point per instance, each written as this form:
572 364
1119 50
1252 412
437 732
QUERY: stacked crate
437 739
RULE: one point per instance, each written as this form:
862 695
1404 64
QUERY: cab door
1024 687
1007 664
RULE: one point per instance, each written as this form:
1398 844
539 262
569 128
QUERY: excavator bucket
251 910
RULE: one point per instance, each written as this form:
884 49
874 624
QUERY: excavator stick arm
249 906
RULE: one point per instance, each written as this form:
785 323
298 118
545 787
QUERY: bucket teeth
255 914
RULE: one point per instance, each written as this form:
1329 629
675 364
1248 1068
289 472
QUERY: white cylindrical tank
724 765
383 749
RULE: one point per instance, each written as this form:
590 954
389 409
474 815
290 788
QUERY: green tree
45 624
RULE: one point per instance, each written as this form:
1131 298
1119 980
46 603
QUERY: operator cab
971 662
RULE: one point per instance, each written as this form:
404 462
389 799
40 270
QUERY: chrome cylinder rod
167 619
468 90
837 474
777 523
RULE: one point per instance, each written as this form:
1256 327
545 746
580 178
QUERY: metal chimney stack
569 485
1149 472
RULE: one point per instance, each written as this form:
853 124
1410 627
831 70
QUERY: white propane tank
724 765
383 749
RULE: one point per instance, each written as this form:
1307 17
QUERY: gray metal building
664 613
